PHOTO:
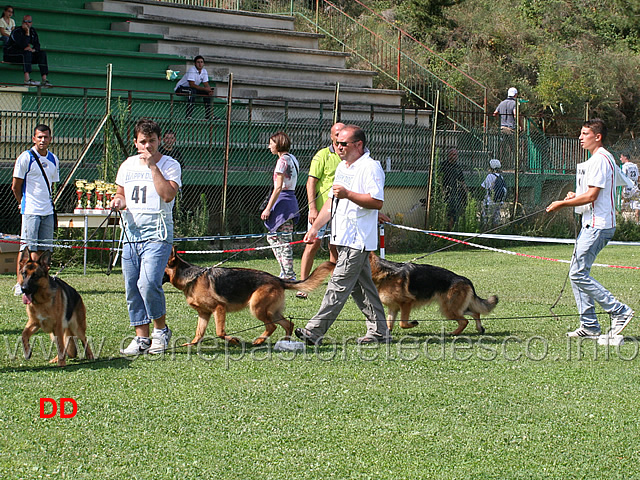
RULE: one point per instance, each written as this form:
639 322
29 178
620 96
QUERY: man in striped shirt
594 197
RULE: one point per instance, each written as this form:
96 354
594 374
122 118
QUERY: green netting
537 168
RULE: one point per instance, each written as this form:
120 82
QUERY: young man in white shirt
595 181
354 201
196 82
33 194
147 187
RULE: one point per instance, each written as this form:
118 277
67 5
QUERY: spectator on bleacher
196 82
24 47
7 24
281 212
169 147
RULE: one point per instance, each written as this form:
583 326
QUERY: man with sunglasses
24 47
354 201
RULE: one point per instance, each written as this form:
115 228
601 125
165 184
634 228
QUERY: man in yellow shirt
321 173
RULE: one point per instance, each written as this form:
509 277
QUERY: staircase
268 58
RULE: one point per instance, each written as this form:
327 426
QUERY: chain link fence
434 179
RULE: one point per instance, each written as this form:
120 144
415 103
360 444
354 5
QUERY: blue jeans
586 289
143 265
37 231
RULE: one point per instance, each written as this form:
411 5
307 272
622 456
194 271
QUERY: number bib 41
141 196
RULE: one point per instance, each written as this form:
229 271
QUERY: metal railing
376 43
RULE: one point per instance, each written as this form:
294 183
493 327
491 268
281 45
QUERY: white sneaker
138 346
17 290
584 332
160 340
618 322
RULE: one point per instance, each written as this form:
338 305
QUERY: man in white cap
507 111
496 189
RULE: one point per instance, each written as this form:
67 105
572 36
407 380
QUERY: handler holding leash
147 186
354 200
595 180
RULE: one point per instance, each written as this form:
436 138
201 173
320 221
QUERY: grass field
520 402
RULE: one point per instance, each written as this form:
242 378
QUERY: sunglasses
27 21
344 144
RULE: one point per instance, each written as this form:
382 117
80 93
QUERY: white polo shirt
193 75
352 225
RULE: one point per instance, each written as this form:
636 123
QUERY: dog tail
481 306
313 281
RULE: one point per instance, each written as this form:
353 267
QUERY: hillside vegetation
560 54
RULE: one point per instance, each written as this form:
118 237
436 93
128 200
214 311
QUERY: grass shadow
74 365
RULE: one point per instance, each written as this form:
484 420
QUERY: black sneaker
308 337
371 339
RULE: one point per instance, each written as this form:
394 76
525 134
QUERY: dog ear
172 257
25 255
45 260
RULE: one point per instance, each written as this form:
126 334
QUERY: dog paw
27 353
411 324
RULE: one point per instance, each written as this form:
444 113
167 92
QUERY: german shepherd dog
220 290
404 286
53 306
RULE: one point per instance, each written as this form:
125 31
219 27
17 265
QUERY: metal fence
414 156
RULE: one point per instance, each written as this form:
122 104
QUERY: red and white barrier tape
508 252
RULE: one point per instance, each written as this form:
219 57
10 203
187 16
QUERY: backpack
499 189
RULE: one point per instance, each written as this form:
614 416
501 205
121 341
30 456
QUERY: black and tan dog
53 306
220 290
404 286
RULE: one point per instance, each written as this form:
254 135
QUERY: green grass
518 402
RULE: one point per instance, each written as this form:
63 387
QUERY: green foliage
189 223
560 54
431 13
627 230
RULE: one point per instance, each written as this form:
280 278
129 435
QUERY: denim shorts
143 265
37 230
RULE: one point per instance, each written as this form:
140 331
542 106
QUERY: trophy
89 188
108 194
79 191
100 186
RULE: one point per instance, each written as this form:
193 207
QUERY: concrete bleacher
80 43
269 59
